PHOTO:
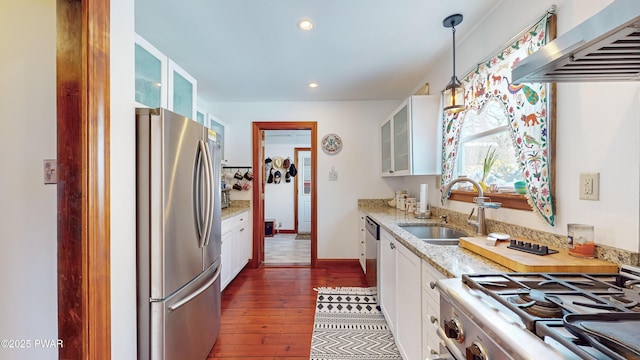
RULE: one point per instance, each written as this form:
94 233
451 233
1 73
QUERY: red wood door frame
83 99
258 186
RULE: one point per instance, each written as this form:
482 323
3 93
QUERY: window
481 131
526 126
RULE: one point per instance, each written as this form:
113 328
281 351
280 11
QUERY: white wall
123 195
357 165
28 259
597 130
28 231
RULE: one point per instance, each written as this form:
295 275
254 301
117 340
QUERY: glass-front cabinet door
201 117
219 127
385 145
151 75
182 91
401 129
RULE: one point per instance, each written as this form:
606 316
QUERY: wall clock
331 144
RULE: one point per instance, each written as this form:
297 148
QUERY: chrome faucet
479 223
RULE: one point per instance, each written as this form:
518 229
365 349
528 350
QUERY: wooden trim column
82 91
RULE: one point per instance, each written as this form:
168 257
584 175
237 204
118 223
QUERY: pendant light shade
454 92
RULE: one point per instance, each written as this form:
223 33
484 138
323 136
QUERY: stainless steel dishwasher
372 247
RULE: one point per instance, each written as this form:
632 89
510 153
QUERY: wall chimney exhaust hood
605 47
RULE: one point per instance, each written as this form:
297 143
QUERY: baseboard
322 263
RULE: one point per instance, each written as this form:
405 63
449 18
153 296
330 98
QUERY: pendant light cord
453 77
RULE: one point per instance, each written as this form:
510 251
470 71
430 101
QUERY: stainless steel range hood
605 47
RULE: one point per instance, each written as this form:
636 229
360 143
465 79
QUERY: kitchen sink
434 234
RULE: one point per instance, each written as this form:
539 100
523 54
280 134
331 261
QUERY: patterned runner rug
349 325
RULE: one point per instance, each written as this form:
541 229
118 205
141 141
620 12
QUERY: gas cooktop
585 316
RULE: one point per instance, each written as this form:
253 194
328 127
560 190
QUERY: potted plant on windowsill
489 160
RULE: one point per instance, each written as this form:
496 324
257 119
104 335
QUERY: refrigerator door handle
197 194
204 287
207 196
210 194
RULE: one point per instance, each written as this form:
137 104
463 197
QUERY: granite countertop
237 207
451 260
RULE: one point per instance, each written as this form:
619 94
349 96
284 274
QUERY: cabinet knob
242 229
434 319
432 284
392 246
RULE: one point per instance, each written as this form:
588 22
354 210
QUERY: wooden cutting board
521 261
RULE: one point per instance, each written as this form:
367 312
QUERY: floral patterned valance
528 111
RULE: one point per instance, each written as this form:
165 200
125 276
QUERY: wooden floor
267 313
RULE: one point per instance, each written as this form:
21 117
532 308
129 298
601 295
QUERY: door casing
258 186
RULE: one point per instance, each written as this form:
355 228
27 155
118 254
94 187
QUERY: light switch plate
333 174
50 171
589 186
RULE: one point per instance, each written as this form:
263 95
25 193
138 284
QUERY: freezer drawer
186 326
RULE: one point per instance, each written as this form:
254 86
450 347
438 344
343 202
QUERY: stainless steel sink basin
434 234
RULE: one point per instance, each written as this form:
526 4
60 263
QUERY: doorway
262 174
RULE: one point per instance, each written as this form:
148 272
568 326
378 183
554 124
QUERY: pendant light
454 92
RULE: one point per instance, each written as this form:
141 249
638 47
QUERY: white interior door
304 175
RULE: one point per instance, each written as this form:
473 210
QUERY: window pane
492 116
306 175
480 131
505 170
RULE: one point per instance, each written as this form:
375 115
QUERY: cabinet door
408 329
227 255
401 145
182 91
431 309
385 145
242 238
219 127
362 236
151 75
387 286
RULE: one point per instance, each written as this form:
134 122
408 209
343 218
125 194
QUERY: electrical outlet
589 186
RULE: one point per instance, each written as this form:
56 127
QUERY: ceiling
251 50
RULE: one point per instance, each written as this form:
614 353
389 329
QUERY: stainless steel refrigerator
178 236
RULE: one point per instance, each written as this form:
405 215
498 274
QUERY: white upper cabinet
151 75
162 83
183 91
219 127
410 138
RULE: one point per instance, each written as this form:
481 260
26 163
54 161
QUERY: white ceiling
251 50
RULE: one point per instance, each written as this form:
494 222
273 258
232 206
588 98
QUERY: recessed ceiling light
305 24
313 84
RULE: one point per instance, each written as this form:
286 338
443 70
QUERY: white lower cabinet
400 294
430 310
362 236
387 291
409 303
236 246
